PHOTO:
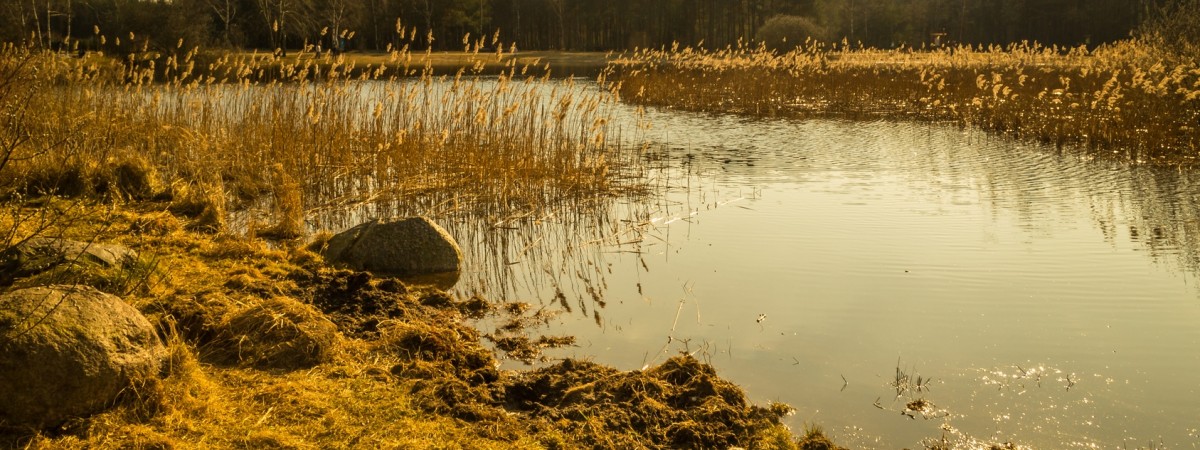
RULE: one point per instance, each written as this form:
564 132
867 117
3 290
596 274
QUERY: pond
893 281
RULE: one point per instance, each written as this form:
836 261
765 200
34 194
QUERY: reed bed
1125 99
297 138
290 136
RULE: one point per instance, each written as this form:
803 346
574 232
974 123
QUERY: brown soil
679 404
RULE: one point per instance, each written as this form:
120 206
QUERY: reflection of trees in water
1152 209
559 254
1156 209
1164 216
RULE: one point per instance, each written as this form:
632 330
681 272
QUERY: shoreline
405 352
414 64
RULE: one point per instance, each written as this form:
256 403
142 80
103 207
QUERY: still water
1042 297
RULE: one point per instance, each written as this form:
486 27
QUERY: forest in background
123 26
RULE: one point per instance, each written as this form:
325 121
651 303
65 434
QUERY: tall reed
259 127
1117 99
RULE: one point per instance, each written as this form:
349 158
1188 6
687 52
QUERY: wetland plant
289 136
1130 99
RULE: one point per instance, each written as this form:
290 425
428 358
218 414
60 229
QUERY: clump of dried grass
135 178
203 204
287 206
680 404
114 177
279 333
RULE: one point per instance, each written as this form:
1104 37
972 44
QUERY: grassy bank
269 348
404 369
1128 99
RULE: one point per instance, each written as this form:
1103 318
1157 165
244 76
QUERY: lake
893 281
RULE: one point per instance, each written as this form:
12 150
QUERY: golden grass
424 380
537 63
1125 98
348 400
352 404
310 131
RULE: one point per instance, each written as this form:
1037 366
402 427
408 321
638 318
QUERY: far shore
560 63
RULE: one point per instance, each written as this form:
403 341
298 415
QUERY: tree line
558 24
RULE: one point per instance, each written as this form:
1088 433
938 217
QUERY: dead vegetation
277 333
1130 100
679 404
270 348
283 137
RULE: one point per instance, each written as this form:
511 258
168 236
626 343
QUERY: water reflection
1153 208
1048 296
998 246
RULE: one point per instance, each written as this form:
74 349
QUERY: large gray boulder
40 254
405 248
69 351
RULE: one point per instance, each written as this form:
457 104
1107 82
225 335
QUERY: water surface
1046 295
1043 297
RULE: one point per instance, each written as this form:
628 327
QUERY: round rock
408 247
69 351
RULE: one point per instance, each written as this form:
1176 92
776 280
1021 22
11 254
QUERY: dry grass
287 136
352 404
536 63
250 367
205 403
1125 98
320 393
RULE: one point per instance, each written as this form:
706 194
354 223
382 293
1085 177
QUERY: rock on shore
70 351
408 247
39 254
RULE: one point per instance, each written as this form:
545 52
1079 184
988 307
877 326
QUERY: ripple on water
1008 272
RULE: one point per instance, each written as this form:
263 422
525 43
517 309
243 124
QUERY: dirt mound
358 302
280 333
448 348
355 303
423 328
680 404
